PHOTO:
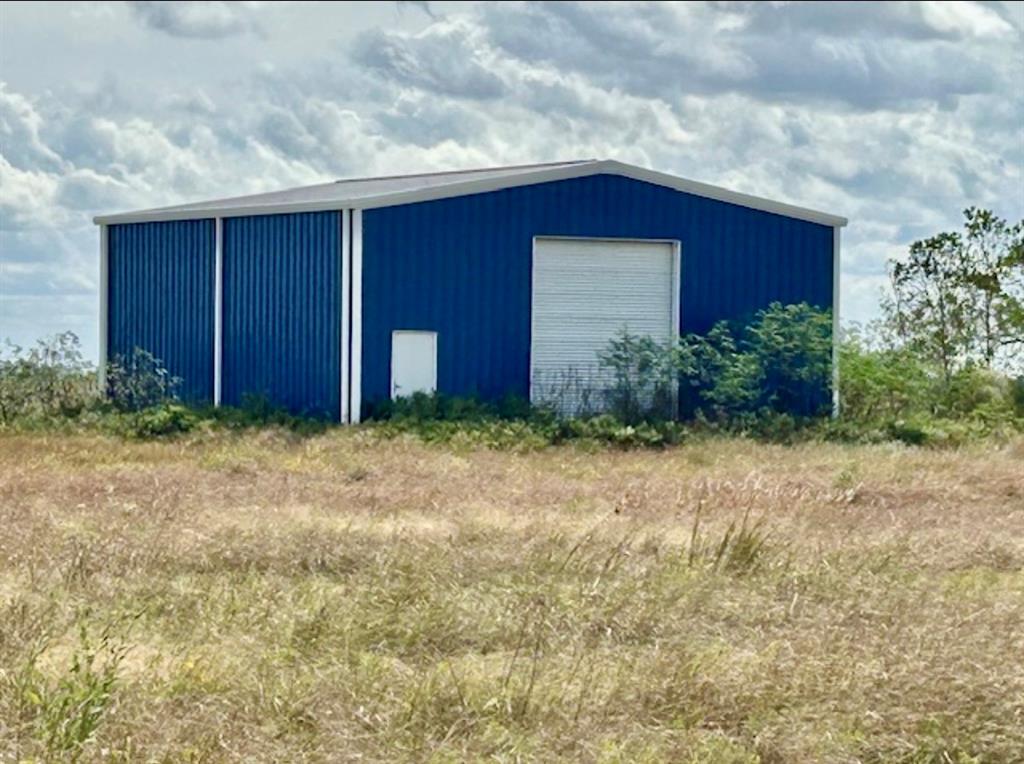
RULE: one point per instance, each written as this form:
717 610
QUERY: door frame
677 276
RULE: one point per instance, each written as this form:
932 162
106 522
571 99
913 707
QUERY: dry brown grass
264 597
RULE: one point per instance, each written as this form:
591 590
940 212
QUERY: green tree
958 298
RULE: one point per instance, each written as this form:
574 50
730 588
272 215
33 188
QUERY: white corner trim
218 310
677 313
533 318
346 278
101 368
357 317
479 186
836 233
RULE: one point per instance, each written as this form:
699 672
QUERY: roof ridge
464 172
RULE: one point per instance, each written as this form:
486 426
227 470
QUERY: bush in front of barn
768 379
890 392
51 387
777 365
46 383
512 424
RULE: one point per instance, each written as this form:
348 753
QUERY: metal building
330 298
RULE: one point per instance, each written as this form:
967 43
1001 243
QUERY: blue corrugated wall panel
282 311
462 267
161 298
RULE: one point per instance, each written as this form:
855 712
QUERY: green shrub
163 419
720 380
466 423
778 364
974 391
52 387
889 392
768 380
48 381
879 381
644 374
139 380
512 406
498 434
781 363
912 433
609 430
258 411
792 350
447 408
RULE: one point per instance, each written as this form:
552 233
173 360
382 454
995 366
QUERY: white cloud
449 58
968 19
20 125
86 189
896 116
203 20
27 198
862 57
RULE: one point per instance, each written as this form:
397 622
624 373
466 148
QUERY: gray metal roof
366 193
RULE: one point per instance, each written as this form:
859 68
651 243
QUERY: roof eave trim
718 193
483 186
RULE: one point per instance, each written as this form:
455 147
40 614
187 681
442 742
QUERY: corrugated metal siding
462 266
282 311
161 297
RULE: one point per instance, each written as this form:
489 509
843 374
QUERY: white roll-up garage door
584 292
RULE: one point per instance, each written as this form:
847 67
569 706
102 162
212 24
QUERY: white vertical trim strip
218 309
677 280
357 316
101 368
533 314
346 278
835 320
677 288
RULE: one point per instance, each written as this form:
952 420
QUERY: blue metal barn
331 298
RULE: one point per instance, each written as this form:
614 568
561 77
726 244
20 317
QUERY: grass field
263 597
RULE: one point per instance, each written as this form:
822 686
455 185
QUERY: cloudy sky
896 115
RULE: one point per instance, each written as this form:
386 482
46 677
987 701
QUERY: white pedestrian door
413 363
